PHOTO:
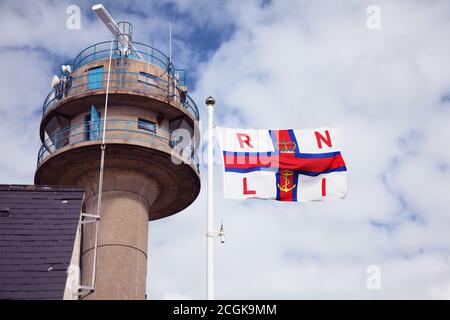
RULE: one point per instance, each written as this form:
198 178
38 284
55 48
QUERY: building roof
38 225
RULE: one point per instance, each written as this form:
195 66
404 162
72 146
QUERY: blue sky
279 64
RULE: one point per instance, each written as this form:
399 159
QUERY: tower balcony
121 82
131 145
101 50
118 131
145 78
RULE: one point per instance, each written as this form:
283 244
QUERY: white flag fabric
286 165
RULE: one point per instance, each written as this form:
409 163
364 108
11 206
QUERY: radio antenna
109 22
170 42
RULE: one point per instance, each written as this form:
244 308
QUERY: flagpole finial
210 101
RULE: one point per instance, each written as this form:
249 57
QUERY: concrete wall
122 114
73 272
131 79
123 234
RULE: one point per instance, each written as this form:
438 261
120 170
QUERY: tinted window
146 125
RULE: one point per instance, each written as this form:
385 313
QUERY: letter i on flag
285 165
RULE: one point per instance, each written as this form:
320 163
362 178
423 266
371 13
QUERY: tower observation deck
151 170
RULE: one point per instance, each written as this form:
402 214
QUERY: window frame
87 126
146 128
147 78
97 82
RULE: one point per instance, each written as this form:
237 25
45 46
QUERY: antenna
170 43
109 22
55 81
222 232
106 18
66 69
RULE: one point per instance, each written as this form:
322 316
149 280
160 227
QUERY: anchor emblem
285 187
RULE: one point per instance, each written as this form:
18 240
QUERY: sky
279 64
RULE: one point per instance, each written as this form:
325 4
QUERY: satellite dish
66 69
55 82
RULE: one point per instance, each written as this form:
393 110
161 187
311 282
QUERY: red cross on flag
285 165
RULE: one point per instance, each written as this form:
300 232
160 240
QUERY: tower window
92 126
87 127
95 78
146 125
183 95
147 78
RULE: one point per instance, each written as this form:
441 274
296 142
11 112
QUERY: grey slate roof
37 231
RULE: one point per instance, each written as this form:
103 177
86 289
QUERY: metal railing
149 54
116 129
141 82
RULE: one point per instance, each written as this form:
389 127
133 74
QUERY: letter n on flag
286 165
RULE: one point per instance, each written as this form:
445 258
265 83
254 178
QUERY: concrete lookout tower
151 167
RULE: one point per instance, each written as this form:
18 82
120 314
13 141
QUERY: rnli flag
285 165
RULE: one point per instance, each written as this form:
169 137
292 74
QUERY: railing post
128 129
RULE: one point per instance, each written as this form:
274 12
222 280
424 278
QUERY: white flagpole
209 236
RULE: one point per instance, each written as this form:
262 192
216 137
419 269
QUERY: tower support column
121 267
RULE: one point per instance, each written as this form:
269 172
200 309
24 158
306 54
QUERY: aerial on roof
38 225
